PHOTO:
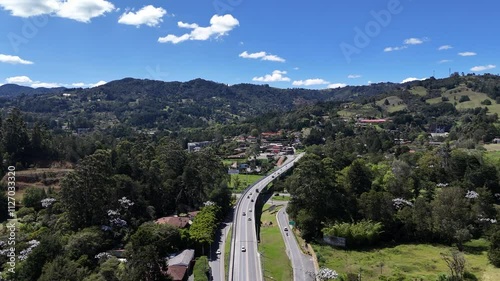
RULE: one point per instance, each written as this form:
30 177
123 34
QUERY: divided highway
244 262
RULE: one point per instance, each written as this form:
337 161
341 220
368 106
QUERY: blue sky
314 44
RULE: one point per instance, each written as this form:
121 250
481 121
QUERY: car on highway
249 210
244 213
251 200
218 252
249 218
243 249
286 228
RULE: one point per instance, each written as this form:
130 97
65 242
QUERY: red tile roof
177 272
180 222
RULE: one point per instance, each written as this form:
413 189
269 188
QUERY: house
372 121
196 146
176 221
180 265
119 254
496 140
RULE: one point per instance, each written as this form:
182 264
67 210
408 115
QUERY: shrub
486 102
201 270
464 98
357 234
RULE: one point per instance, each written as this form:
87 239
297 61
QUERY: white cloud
84 10
262 56
407 42
296 68
276 76
18 80
410 79
148 15
28 8
78 85
219 26
45 85
79 10
13 59
100 83
444 61
310 82
391 49
353 76
483 67
414 41
337 85
467 54
445 47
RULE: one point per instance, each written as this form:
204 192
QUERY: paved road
244 263
216 261
302 264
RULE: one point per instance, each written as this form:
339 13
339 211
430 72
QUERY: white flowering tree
325 274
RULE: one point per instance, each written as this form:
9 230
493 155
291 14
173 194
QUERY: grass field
227 251
493 152
475 99
245 180
276 264
419 91
412 261
357 109
395 104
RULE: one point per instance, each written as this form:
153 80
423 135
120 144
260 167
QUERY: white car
243 249
249 210
218 252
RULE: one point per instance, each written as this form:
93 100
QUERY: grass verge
227 251
414 261
275 261
245 181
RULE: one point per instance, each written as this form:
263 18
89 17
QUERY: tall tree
87 192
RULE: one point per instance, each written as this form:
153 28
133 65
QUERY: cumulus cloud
483 67
337 85
410 79
261 56
79 10
310 82
148 15
45 85
84 85
13 59
219 26
467 54
445 47
18 80
392 49
84 10
100 83
29 8
414 41
353 76
444 61
406 43
276 76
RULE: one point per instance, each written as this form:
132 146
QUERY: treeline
109 202
441 195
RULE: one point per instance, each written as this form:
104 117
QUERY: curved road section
303 266
244 263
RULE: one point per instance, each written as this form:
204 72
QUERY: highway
244 263
302 264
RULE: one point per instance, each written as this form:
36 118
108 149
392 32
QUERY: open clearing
276 264
411 260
